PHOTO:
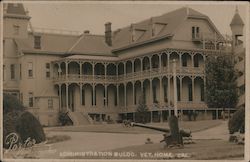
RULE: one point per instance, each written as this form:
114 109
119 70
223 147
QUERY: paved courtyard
92 141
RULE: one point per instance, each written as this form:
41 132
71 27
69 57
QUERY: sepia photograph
124 80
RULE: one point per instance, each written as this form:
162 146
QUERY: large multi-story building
95 77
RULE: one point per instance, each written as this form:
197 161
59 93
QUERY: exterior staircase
79 118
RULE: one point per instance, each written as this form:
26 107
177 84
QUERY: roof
65 44
91 44
237 19
122 37
15 8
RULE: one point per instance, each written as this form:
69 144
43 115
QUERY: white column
117 95
193 89
81 94
133 89
169 91
93 98
180 88
125 96
175 88
160 68
93 71
106 95
66 69
161 92
67 96
80 72
60 97
150 92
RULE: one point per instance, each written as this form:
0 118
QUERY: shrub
237 122
16 120
11 103
28 126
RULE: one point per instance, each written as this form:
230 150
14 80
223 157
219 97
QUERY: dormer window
157 28
195 32
37 42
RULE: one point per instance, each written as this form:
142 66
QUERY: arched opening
111 95
186 60
164 59
174 56
128 67
73 94
146 63
100 95
187 89
165 89
63 68
129 91
155 61
87 95
156 90
87 68
111 69
120 68
146 91
99 69
199 89
198 60
121 95
137 65
73 68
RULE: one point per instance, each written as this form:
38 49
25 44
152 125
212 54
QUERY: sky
80 16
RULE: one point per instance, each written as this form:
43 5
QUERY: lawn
194 126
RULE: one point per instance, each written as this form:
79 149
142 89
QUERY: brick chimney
108 34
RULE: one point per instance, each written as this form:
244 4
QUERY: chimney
108 34
86 32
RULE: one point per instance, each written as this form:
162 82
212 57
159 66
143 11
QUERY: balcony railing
155 72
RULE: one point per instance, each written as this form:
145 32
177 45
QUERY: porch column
160 69
80 94
125 96
117 95
67 96
161 92
106 95
133 93
192 58
180 60
93 97
93 71
66 69
150 63
105 71
60 97
80 71
181 95
193 89
59 70
150 92
169 91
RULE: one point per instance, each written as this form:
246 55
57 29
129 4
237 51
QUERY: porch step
79 118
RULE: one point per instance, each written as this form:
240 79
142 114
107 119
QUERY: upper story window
47 70
12 71
37 42
195 32
16 29
30 69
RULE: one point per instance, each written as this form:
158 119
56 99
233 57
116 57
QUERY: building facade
100 77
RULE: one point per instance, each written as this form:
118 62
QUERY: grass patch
57 138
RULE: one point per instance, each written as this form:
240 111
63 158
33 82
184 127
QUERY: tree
237 121
142 110
221 87
10 103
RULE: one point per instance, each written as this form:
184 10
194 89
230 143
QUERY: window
12 71
31 102
37 42
30 69
16 29
50 103
47 70
195 32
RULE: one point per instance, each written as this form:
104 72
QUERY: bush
23 123
28 126
10 103
237 122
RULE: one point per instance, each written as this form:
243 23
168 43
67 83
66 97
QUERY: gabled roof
122 37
